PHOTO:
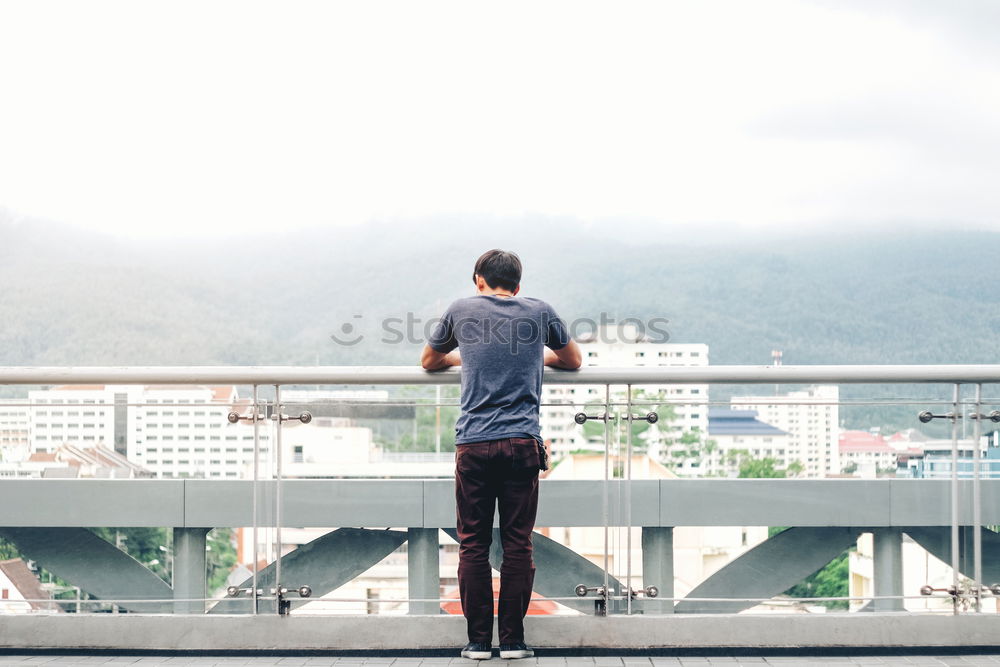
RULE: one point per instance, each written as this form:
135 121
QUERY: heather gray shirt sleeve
442 338
557 336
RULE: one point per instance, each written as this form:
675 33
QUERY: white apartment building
13 429
173 431
812 420
623 347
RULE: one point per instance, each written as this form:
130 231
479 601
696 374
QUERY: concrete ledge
412 503
360 633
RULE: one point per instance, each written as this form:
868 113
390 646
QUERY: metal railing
621 505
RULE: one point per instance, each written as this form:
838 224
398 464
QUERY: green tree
831 581
760 468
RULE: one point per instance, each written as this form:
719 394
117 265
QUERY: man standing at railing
502 343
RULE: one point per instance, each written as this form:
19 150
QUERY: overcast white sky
187 118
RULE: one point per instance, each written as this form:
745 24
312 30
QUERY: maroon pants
504 471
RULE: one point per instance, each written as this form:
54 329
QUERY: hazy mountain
73 298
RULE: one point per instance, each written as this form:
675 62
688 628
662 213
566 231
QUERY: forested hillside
72 298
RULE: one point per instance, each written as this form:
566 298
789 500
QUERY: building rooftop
724 421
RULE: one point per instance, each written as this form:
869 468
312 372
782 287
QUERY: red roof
863 441
27 584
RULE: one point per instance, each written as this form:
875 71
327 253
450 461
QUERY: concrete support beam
887 552
658 568
423 563
190 577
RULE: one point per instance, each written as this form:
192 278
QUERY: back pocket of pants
524 455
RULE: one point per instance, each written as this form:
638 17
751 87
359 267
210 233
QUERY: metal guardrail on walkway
371 518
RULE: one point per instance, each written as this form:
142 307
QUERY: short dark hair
499 268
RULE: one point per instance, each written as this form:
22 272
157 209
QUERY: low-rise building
735 435
865 454
20 590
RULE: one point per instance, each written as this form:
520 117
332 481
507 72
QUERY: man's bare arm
432 360
568 357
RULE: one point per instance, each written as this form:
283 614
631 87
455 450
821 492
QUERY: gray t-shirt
501 340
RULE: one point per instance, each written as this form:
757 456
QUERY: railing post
887 553
422 565
658 568
189 570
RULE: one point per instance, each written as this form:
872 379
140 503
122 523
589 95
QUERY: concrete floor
202 660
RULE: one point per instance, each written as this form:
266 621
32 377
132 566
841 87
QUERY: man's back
501 340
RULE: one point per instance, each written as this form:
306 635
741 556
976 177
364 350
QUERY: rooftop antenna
775 361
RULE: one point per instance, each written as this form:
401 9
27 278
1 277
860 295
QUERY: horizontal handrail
384 375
